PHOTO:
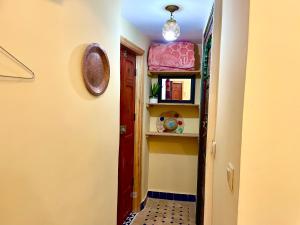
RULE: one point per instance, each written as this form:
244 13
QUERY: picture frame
165 93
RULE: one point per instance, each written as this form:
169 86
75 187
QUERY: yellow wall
173 165
135 36
232 72
59 144
269 185
173 161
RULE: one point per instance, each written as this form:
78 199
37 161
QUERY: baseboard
167 196
172 196
143 203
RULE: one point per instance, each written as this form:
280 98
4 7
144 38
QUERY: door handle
123 129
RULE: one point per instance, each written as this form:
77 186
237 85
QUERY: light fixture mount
172 8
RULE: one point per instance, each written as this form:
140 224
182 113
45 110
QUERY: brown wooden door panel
126 151
176 91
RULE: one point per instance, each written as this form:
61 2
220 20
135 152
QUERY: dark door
126 152
176 91
206 57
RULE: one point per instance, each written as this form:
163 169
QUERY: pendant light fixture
171 29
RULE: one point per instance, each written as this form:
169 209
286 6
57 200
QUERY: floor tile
129 219
162 212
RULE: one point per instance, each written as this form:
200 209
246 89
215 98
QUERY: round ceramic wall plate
171 122
96 70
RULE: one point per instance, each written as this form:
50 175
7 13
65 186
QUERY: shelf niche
197 73
185 135
148 105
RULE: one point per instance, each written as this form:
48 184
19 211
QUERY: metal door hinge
133 195
123 129
125 54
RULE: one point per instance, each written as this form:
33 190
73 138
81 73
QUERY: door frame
203 141
212 111
138 123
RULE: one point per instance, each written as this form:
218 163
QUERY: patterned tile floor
163 212
129 219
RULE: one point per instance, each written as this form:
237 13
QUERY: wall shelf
186 135
148 105
175 73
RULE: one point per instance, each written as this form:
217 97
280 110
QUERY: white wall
270 158
232 73
212 110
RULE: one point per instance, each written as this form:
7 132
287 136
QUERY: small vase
153 100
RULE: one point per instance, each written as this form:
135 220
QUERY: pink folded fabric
171 56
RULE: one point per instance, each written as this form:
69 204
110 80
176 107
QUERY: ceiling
149 16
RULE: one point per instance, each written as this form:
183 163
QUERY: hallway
168 81
61 127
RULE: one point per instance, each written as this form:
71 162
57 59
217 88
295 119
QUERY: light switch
230 176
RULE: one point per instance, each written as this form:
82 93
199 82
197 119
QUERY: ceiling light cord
172 16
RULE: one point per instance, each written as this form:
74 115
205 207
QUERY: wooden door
205 81
176 91
126 151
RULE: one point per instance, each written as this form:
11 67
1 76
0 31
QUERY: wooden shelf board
172 104
189 135
175 73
